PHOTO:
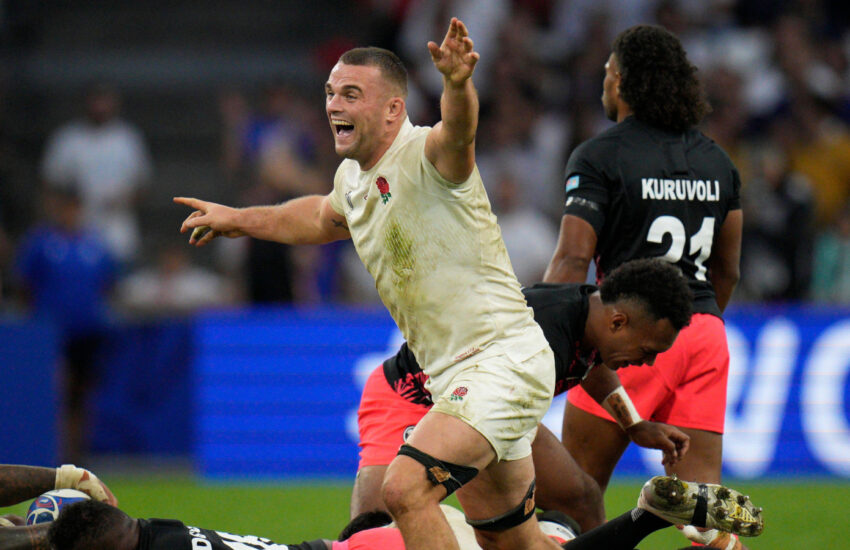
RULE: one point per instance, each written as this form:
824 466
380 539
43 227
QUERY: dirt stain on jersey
400 247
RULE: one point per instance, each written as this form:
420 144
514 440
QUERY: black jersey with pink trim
560 310
650 193
169 534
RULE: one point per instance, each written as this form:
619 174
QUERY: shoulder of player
709 147
603 144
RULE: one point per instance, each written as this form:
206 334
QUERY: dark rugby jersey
167 534
560 310
650 193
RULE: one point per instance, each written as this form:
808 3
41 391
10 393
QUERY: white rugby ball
46 508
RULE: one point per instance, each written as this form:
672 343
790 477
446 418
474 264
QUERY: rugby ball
46 508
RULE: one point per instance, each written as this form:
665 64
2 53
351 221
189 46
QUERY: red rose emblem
383 188
382 184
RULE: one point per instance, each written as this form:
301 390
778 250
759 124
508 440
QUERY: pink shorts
686 387
382 420
385 538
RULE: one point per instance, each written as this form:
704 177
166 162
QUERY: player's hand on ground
208 221
455 57
672 441
69 476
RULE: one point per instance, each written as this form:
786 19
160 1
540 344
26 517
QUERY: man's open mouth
342 127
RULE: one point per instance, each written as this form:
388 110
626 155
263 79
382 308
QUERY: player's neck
623 111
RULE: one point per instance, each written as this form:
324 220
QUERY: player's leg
487 412
666 501
414 485
562 485
595 443
698 408
366 493
500 505
384 419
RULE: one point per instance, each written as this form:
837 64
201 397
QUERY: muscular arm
305 220
20 483
33 537
576 245
724 264
450 145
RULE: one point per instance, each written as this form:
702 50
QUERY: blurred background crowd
111 108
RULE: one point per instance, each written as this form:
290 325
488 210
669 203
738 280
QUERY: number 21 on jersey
700 242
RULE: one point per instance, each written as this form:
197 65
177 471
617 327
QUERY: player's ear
619 320
395 108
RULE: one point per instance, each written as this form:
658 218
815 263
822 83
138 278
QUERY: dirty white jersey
436 254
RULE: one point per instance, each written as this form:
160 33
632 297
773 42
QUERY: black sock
621 533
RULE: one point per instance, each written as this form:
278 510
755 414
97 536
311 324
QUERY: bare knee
406 488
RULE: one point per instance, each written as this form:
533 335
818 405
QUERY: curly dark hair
391 66
84 525
657 80
658 285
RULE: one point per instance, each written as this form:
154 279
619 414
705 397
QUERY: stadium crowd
777 75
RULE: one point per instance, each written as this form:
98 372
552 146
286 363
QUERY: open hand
455 57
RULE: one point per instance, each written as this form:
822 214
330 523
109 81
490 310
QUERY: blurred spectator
831 281
427 20
174 286
67 272
818 146
105 160
279 153
529 237
776 258
518 134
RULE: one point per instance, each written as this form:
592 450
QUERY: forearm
459 112
604 386
20 483
33 537
566 269
294 222
724 282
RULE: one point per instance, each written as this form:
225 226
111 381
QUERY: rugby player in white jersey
412 200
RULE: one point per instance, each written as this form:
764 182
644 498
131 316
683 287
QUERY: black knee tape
451 476
517 516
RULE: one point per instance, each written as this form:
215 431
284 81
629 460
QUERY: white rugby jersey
436 254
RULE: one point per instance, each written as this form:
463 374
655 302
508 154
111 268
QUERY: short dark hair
390 65
363 521
657 80
658 285
83 525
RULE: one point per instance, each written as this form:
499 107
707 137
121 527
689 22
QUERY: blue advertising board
277 390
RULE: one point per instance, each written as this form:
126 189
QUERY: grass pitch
798 514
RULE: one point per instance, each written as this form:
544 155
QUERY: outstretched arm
305 220
450 146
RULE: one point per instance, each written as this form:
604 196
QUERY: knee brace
451 476
509 519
